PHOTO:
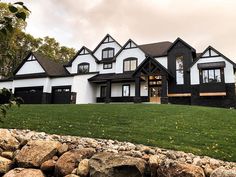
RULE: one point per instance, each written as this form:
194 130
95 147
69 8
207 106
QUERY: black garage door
61 95
30 95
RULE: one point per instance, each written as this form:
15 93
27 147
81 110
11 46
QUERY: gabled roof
156 49
50 67
148 58
216 51
108 35
78 53
182 41
123 47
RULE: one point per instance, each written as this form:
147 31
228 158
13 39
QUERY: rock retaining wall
25 153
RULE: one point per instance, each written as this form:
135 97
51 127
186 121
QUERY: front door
155 83
155 94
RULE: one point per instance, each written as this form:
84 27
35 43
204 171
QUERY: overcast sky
75 23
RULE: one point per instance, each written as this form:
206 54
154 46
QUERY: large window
107 66
180 70
125 90
103 91
83 68
108 53
211 76
130 64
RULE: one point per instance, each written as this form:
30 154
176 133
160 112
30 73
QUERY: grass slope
200 130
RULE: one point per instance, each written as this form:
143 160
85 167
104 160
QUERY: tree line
15 43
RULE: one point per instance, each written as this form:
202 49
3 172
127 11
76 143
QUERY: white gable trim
31 66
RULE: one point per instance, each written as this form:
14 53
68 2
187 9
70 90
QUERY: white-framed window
180 70
126 90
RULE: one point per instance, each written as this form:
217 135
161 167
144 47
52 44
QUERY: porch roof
127 76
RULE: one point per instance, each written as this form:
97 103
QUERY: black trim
124 85
78 53
83 64
108 49
183 42
211 65
217 52
102 42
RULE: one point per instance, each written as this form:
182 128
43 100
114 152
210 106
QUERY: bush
7 100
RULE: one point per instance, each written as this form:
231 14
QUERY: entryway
155 86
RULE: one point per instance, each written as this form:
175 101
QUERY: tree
15 44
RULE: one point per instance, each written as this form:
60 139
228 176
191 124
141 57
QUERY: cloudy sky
75 23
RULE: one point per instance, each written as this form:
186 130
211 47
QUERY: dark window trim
83 64
177 56
107 67
123 90
208 83
103 86
108 49
129 59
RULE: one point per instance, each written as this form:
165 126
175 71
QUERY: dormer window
108 53
83 68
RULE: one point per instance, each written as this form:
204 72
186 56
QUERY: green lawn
200 130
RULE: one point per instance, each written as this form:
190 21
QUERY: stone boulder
48 166
5 165
83 168
22 172
113 165
70 160
34 153
7 141
171 168
222 172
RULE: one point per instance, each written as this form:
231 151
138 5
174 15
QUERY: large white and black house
162 72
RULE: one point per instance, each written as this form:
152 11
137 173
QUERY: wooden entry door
155 94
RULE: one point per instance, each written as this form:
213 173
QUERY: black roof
156 49
127 76
50 67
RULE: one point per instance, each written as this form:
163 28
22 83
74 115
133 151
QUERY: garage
30 95
61 95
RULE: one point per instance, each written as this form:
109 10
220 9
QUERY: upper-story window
107 66
179 70
83 68
211 76
108 53
130 64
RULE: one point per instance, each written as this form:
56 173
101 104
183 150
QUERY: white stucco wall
30 67
163 61
36 82
85 91
98 52
81 59
228 70
133 52
6 84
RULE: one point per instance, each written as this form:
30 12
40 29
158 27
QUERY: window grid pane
211 76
